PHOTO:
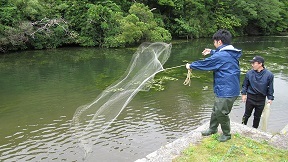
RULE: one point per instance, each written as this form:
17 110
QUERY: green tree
32 10
101 21
113 23
153 28
259 20
282 23
139 25
193 21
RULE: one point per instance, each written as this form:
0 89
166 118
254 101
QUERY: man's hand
188 66
206 51
244 98
269 102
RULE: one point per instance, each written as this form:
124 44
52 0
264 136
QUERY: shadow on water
40 91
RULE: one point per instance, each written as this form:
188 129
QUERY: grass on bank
239 148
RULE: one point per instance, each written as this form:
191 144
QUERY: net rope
188 77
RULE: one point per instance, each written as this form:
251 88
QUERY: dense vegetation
40 24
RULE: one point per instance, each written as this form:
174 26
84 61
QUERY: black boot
256 121
244 120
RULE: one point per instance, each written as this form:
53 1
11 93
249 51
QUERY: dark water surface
40 91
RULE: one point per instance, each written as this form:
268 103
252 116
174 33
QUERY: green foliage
130 31
260 20
115 23
187 28
25 25
138 25
30 9
12 39
166 2
151 30
228 22
101 22
192 19
9 15
52 39
282 23
142 12
159 34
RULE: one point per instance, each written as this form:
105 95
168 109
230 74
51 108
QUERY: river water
41 90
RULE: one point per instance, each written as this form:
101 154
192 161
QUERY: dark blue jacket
259 83
224 62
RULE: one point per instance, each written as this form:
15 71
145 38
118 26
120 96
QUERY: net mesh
90 121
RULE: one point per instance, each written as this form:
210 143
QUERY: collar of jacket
220 47
229 48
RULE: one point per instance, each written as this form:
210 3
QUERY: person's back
226 72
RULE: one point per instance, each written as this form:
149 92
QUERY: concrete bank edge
168 152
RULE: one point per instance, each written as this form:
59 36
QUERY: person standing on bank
224 62
258 84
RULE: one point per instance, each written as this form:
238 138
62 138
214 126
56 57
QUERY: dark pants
256 103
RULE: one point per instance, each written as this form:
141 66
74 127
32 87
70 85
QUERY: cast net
90 121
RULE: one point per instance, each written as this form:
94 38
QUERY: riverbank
168 152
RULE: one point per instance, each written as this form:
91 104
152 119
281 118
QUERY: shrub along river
40 91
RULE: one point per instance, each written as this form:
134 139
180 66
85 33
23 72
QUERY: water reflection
40 91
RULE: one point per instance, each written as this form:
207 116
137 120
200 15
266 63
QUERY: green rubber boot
225 126
225 105
224 138
208 132
213 127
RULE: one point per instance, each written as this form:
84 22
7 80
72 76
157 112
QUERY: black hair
261 63
223 35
